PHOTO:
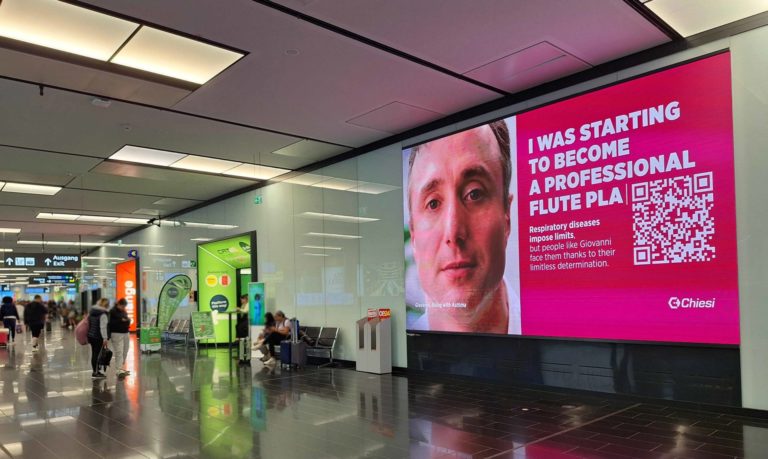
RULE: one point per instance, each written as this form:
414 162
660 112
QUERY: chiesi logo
691 303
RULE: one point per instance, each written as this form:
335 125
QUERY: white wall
367 272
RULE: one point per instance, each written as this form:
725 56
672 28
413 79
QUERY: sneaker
265 357
122 374
98 375
271 361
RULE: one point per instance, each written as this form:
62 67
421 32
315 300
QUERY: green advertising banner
172 294
256 302
202 326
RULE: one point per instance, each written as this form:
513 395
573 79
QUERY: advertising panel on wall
610 215
127 286
217 265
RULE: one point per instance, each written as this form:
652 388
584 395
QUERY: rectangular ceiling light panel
50 216
171 55
31 189
204 164
147 156
64 27
132 221
10 230
96 218
690 17
256 172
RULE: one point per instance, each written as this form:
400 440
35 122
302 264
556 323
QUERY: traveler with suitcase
10 316
281 333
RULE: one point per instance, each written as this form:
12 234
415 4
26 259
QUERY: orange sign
127 287
385 313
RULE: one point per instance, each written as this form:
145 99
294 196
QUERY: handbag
105 356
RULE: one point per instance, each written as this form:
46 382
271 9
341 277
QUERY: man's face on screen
459 216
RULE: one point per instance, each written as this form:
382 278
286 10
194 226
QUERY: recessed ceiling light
338 218
256 171
175 56
207 225
203 164
690 17
334 235
51 216
305 179
10 230
96 218
64 27
31 189
337 184
147 156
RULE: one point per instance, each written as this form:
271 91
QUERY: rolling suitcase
299 354
285 353
4 333
48 326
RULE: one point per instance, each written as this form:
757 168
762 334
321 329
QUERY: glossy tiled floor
182 404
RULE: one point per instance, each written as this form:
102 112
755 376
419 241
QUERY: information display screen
610 215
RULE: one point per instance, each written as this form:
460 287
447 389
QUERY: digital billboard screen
610 215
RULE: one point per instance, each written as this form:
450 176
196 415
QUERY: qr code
673 221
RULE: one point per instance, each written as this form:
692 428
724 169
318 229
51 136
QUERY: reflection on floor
182 404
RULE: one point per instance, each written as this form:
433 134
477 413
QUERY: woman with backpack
98 333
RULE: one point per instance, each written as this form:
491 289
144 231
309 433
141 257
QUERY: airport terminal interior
383 229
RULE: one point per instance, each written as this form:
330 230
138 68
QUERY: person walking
34 317
98 334
10 316
119 324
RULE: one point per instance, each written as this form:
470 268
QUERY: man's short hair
38 297
501 132
122 302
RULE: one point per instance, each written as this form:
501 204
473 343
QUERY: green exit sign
258 200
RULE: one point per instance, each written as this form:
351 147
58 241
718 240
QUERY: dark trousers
273 339
96 345
36 329
10 324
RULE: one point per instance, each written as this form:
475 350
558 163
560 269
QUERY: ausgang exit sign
41 260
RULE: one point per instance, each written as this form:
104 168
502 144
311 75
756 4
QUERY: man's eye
433 204
474 195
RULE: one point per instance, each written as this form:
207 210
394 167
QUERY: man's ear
507 215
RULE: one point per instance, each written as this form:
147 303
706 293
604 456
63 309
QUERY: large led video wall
610 215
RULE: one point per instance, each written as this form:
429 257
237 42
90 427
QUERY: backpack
81 331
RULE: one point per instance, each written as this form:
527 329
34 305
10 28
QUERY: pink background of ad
625 301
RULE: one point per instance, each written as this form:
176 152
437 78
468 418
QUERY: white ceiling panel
73 124
58 73
159 183
41 167
462 35
332 78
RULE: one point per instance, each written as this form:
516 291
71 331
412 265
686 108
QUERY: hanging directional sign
58 278
41 260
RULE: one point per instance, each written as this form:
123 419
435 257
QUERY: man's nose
455 223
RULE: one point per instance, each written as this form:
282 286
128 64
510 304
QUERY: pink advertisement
610 215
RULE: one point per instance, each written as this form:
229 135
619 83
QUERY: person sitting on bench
281 332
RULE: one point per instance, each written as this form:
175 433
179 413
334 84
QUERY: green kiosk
224 270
